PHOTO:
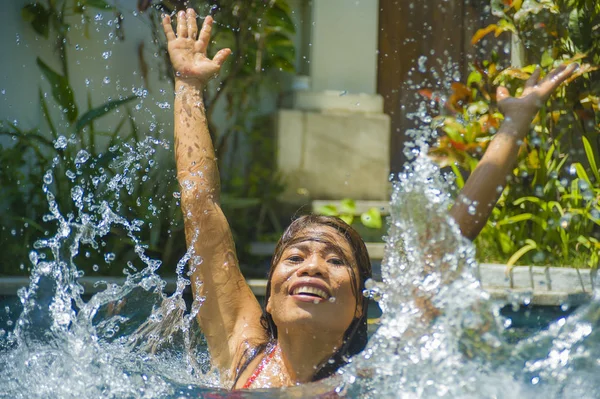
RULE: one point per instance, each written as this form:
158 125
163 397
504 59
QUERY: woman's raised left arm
485 184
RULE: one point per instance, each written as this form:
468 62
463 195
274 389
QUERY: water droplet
82 157
421 62
77 193
60 143
48 178
106 55
332 299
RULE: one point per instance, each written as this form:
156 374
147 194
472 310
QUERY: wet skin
312 288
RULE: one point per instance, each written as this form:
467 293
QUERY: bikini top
260 367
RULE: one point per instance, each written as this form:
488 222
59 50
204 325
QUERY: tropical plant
347 212
549 213
57 156
259 34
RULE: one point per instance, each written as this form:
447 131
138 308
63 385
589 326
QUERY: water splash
439 336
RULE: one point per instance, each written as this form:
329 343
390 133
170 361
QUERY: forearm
483 188
194 151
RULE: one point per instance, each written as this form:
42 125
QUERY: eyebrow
329 248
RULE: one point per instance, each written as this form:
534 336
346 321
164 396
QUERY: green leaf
581 173
347 218
61 90
280 51
372 218
474 77
577 32
100 4
519 201
102 110
575 194
530 244
548 157
328 210
277 17
460 182
515 219
348 206
555 204
453 129
505 26
47 114
506 244
589 152
38 16
547 59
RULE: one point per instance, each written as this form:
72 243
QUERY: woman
315 315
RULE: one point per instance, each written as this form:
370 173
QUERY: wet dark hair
355 337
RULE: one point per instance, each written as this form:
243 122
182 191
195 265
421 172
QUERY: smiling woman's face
312 285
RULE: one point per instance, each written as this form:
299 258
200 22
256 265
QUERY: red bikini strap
260 368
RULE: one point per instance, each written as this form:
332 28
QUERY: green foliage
259 34
549 213
347 211
58 146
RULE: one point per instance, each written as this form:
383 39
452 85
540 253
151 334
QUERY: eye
336 261
295 258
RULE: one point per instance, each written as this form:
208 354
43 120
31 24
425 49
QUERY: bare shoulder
246 359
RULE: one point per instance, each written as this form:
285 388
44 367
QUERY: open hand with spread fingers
187 48
521 110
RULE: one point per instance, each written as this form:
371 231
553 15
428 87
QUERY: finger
192 27
181 24
552 75
559 75
168 28
221 56
533 79
502 93
204 36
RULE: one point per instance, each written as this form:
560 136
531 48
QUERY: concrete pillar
343 53
334 143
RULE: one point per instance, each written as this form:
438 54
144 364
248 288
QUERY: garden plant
549 212
77 151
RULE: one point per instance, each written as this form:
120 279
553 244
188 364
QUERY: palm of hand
535 94
189 61
188 54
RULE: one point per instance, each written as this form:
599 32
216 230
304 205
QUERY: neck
304 352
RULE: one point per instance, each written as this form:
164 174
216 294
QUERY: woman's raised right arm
230 314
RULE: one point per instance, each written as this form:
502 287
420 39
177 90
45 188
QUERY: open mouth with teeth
311 292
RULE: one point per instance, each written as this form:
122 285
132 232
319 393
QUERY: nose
313 266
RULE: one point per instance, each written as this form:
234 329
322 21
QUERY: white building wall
344 45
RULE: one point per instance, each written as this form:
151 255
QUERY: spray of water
439 336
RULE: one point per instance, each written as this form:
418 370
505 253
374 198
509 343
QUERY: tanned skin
230 314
